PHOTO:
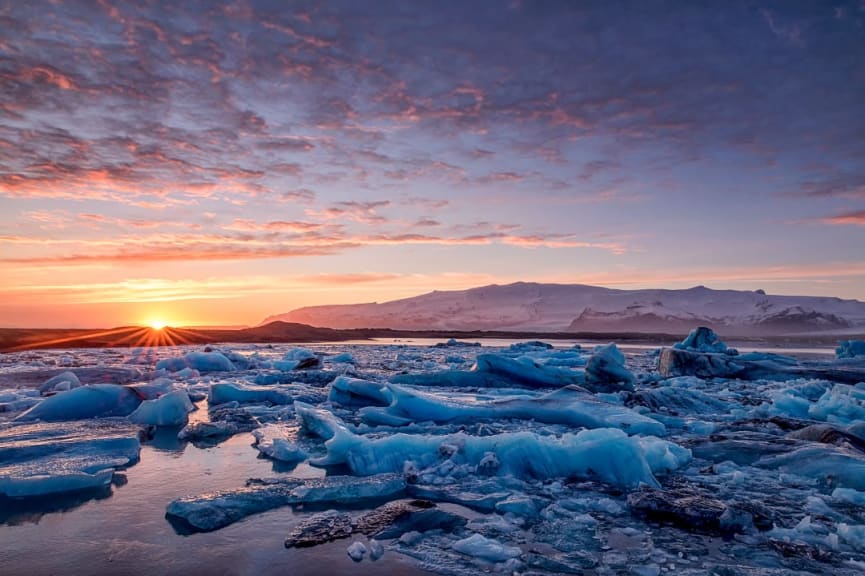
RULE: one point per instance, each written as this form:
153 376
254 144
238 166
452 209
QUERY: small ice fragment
486 549
356 551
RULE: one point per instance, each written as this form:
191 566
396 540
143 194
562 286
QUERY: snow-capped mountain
577 307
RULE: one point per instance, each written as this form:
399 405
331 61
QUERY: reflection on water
30 511
127 533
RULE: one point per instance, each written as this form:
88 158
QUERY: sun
157 324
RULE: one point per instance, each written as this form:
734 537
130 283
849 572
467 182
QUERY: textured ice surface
201 361
605 370
278 442
221 393
171 409
568 405
211 511
850 349
704 339
95 401
511 451
38 459
486 549
607 454
496 370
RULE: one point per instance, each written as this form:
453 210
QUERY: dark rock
827 434
308 363
385 515
801 550
320 528
674 362
690 510
418 520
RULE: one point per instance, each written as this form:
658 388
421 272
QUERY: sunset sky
217 163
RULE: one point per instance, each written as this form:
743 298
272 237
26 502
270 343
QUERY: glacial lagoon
530 459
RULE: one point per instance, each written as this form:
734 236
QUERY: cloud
854 218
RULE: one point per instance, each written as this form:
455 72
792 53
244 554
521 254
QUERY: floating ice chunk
677 396
606 454
45 484
376 550
224 422
496 370
215 510
825 463
841 404
343 358
850 349
796 400
41 459
186 374
570 358
529 346
569 405
154 389
61 382
808 532
454 343
703 339
299 354
171 409
526 372
519 505
274 442
849 496
95 401
853 535
356 551
222 392
354 391
606 372
317 421
201 361
487 549
18 399
297 359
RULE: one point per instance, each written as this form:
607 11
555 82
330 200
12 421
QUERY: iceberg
829 465
201 361
62 382
348 391
171 409
496 370
454 343
703 339
606 372
607 454
44 459
570 405
275 442
850 349
356 551
222 393
487 549
841 404
94 401
216 510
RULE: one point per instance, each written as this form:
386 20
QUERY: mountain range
526 306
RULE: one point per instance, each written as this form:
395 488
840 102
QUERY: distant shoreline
21 339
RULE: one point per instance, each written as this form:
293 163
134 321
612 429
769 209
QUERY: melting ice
525 459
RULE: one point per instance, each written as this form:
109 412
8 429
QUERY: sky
209 163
